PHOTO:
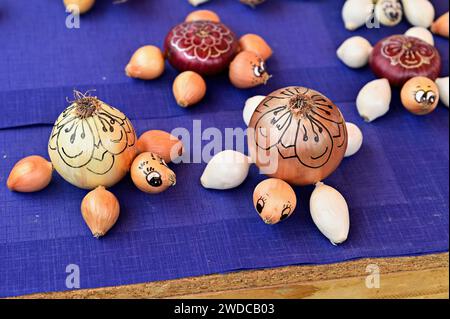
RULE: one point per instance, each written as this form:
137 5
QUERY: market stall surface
396 186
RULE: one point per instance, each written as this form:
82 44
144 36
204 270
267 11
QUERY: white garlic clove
196 3
354 52
388 12
356 13
227 169
355 139
442 84
329 212
374 99
419 13
421 33
250 106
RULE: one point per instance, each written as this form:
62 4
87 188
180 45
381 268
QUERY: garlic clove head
30 174
355 139
78 6
419 13
274 200
100 210
248 70
147 63
188 88
227 169
202 15
162 143
196 3
356 13
421 33
255 43
329 212
443 86
250 106
441 25
374 99
388 12
354 52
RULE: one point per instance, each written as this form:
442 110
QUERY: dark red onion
204 47
399 58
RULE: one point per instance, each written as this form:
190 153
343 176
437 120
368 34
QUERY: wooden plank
402 277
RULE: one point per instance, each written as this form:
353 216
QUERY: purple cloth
396 186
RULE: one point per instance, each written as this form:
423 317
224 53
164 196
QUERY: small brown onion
162 143
252 3
298 135
147 63
151 174
30 174
82 6
441 25
274 200
420 95
248 70
100 210
254 43
202 15
188 88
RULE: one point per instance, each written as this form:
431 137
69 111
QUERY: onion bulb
298 135
252 3
92 144
441 25
30 174
100 210
202 15
248 70
420 95
274 200
162 143
151 174
188 88
80 6
443 86
147 63
254 43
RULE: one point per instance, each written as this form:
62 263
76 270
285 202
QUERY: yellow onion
248 70
420 95
147 63
81 6
162 143
441 25
92 144
298 135
188 88
30 174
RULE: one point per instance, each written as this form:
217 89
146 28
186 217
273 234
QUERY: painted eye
154 179
256 71
260 205
285 213
430 97
420 96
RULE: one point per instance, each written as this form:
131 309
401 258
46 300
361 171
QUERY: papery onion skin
92 144
204 47
298 135
399 58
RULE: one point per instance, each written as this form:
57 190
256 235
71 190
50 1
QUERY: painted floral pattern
407 51
81 141
300 120
202 40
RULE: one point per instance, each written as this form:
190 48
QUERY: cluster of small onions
146 159
189 87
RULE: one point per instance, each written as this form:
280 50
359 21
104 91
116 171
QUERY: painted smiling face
389 12
420 95
274 200
151 174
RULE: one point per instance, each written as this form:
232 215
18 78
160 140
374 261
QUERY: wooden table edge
424 276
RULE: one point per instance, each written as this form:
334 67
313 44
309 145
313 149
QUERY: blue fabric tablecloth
396 186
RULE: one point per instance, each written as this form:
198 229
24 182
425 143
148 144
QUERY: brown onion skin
210 65
310 141
383 60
